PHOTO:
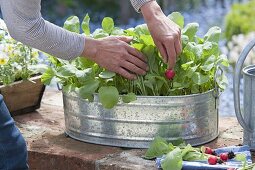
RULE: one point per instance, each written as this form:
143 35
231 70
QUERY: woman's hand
165 33
114 54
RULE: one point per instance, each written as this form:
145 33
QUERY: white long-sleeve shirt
25 24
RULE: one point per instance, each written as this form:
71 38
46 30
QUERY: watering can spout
237 76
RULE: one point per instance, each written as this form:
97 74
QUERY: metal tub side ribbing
193 118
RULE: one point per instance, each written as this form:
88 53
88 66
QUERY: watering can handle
237 76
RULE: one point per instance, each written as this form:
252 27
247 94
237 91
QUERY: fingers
162 51
126 74
133 65
136 61
124 38
135 57
136 53
171 53
178 44
121 58
170 48
133 68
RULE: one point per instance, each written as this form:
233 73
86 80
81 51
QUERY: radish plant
193 73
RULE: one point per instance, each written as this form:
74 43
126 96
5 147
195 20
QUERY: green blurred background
205 12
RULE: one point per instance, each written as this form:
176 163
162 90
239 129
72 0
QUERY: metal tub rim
74 94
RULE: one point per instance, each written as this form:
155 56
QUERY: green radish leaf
55 61
130 97
190 30
82 63
199 78
47 76
88 89
178 142
171 146
142 30
72 24
149 53
108 96
207 67
197 50
39 68
241 157
107 74
157 148
187 149
177 18
147 40
67 70
213 34
99 33
194 89
138 46
177 85
223 61
185 66
85 25
130 32
185 40
191 71
69 88
193 156
222 81
108 25
84 75
117 31
173 160
210 48
149 83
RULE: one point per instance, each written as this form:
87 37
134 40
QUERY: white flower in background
35 54
3 58
2 46
17 66
9 48
3 25
2 34
237 44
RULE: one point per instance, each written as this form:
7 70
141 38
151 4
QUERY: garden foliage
240 19
17 61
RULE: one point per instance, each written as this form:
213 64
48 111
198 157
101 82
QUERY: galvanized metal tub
193 118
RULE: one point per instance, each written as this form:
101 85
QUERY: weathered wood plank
23 96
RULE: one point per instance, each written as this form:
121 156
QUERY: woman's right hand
116 55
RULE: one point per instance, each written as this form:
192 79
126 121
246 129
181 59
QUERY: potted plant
19 74
105 108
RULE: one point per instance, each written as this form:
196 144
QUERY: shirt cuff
137 4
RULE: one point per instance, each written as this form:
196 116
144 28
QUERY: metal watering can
246 118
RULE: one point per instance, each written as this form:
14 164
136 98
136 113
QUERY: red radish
224 156
169 74
212 160
208 150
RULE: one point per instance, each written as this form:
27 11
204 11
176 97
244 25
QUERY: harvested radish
212 160
208 150
224 156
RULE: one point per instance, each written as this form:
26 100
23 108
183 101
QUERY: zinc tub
193 118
